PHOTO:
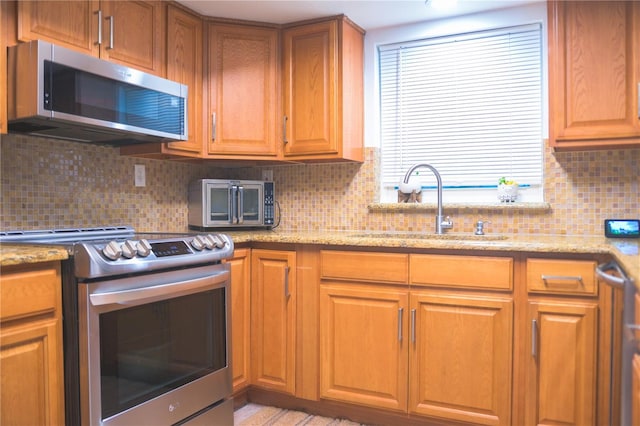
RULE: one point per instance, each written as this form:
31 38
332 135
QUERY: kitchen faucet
441 223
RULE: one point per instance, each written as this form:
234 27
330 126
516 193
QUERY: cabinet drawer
29 291
364 266
462 271
559 276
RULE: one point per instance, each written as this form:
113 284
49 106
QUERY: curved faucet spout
441 223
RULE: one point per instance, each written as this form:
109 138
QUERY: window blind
470 105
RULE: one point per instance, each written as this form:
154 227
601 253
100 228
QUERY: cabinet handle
110 18
534 338
413 326
400 313
214 126
284 130
286 282
561 278
99 27
638 100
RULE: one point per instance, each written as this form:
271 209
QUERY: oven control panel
142 248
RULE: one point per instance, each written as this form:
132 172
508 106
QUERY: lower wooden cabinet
240 317
561 372
439 354
273 315
460 357
31 360
364 345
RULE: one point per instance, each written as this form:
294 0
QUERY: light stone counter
626 252
18 254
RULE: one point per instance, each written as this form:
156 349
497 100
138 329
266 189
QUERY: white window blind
470 105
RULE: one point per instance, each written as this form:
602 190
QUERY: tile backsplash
57 184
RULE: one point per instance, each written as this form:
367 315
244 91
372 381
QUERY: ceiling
368 14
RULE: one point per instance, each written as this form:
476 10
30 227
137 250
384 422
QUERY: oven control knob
218 241
198 242
128 249
112 250
209 242
144 248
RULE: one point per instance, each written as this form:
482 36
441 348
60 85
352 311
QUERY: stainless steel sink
426 236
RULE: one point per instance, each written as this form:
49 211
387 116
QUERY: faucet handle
447 223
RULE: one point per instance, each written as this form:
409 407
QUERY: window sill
448 207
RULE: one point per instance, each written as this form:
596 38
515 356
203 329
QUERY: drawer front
364 266
462 271
25 292
558 276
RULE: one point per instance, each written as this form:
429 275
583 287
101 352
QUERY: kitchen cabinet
273 319
322 78
4 28
243 92
240 318
451 351
185 65
635 392
31 359
563 346
594 74
131 33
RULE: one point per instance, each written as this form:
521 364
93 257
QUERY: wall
55 184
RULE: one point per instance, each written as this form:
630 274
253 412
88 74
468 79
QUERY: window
470 105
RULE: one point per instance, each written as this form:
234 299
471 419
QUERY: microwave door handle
240 204
232 203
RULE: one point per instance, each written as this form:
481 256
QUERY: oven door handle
158 292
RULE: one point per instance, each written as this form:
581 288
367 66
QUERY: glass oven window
151 349
219 204
251 204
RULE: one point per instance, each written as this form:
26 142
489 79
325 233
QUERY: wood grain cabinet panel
138 29
462 271
460 358
273 316
364 266
323 91
561 367
31 359
243 91
561 276
241 318
594 74
363 334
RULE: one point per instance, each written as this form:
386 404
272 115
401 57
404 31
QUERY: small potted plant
507 190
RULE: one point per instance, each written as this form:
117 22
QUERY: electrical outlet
267 175
139 175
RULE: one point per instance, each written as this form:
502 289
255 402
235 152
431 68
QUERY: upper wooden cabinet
323 91
594 74
127 32
243 92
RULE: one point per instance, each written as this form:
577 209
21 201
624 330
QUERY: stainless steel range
146 325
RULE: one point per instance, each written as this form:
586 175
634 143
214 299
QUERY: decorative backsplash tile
56 184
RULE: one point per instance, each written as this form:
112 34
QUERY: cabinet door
460 359
138 34
243 79
184 65
364 345
561 371
72 24
240 317
273 315
594 73
309 87
635 393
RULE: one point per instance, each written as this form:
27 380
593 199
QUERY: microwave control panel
269 201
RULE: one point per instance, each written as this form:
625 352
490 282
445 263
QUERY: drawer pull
286 282
413 325
400 313
534 338
561 278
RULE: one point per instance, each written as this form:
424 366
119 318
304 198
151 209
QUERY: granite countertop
626 252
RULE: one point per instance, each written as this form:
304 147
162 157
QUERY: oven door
154 348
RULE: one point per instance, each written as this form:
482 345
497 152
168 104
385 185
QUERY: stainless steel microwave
60 93
217 203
